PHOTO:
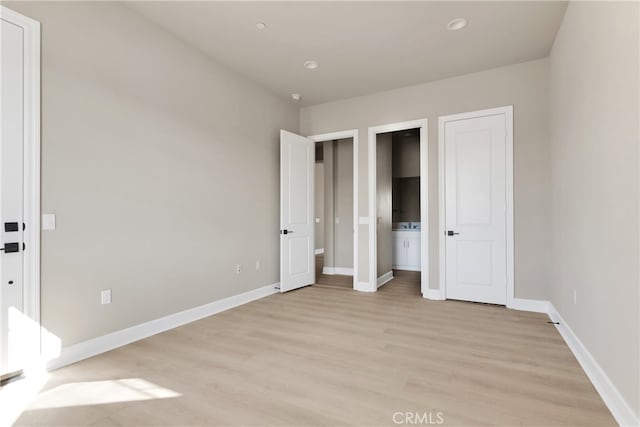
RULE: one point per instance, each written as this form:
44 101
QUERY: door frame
31 45
352 133
423 124
442 121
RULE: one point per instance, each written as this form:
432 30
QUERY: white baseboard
343 271
365 287
433 294
407 268
536 306
319 251
95 346
382 280
618 406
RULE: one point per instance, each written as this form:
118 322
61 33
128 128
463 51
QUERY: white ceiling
362 47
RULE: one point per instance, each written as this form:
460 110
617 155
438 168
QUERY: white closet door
475 206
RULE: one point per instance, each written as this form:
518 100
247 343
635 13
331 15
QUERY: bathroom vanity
406 246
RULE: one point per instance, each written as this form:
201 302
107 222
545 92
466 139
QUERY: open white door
297 263
19 192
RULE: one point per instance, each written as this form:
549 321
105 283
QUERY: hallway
403 283
331 280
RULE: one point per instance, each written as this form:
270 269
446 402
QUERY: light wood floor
329 356
331 280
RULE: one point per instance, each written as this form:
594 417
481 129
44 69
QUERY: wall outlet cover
49 221
105 296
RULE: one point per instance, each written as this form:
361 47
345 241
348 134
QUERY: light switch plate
49 221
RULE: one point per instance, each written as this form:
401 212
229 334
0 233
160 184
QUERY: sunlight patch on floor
16 396
101 392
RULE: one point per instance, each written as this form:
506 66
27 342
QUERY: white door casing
476 226
19 191
297 257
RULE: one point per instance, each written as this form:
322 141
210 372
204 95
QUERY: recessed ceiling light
456 24
261 26
296 96
310 65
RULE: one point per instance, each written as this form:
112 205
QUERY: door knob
451 233
285 231
11 226
10 248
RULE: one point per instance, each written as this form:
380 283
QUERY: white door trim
423 124
31 279
353 133
442 120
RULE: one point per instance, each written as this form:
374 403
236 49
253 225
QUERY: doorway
19 193
401 245
476 206
334 219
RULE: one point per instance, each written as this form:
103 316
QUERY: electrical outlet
105 296
238 268
575 296
258 265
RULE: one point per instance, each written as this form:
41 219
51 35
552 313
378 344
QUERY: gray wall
329 203
406 155
406 199
406 174
319 208
138 149
523 85
343 193
594 119
384 163
338 203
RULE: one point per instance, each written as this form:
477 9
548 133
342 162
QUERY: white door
11 197
476 208
297 261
